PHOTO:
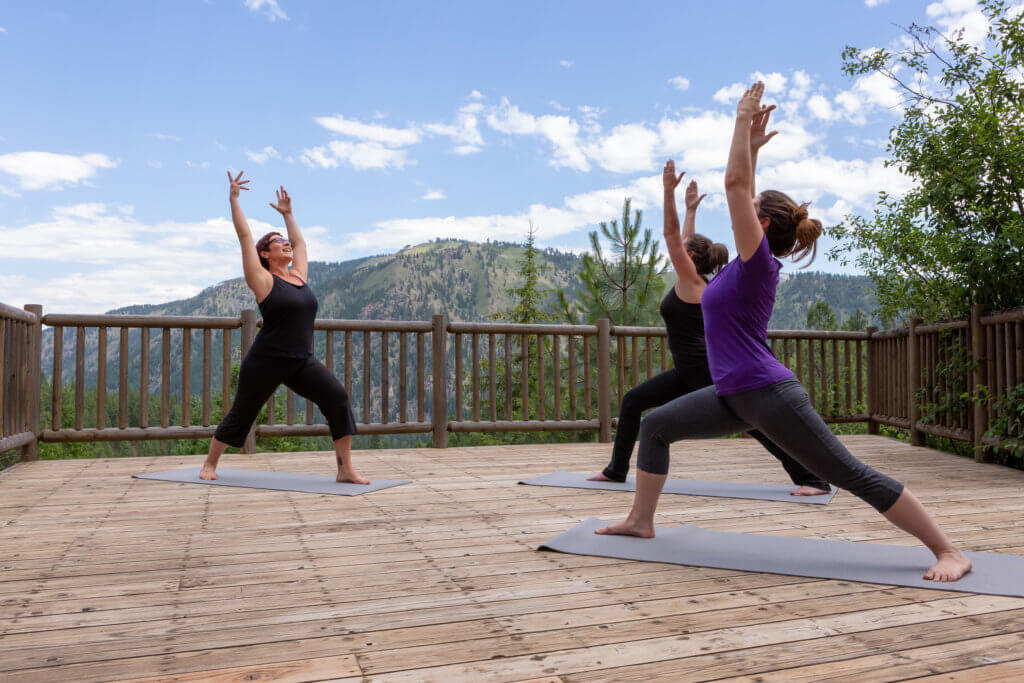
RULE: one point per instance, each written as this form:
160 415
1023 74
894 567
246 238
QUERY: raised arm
739 175
256 276
300 259
758 139
689 284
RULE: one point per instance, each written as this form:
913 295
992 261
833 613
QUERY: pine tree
625 285
527 296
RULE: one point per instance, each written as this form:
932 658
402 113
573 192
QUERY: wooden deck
106 577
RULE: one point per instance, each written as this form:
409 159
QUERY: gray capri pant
784 414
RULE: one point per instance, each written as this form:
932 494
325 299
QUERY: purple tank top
737 305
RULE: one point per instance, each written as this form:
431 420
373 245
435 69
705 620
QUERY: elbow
734 181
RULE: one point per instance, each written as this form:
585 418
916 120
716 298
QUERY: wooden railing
19 380
502 377
949 379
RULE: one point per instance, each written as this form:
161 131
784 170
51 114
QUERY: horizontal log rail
147 377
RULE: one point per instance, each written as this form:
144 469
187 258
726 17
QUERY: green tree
821 317
956 238
625 285
858 322
527 296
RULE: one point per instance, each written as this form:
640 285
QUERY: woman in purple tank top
752 389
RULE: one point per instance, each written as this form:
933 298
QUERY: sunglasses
283 241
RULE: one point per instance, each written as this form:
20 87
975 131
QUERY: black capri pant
260 375
780 411
661 389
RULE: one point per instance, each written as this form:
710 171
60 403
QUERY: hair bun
800 212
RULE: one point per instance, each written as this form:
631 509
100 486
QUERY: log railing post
978 379
439 418
872 380
248 336
914 383
30 391
604 380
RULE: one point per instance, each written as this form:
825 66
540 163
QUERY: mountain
465 280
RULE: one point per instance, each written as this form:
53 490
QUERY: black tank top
288 315
685 325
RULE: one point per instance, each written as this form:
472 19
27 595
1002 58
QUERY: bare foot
951 566
599 477
350 477
627 528
808 491
209 472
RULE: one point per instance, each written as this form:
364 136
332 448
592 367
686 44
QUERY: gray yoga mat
686 487
993 573
274 481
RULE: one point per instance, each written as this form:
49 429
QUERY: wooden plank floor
105 577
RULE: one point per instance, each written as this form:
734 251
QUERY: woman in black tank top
282 352
694 258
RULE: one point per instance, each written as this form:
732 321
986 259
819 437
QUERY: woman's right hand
668 176
237 184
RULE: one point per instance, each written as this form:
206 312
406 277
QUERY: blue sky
392 123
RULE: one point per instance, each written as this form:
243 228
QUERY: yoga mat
993 573
686 487
274 481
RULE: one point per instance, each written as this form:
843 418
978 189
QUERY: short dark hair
264 245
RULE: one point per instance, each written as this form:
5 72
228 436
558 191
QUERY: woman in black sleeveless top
694 258
282 352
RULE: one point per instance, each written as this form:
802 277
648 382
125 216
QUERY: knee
631 402
651 428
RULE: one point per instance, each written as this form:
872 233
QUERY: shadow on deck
106 577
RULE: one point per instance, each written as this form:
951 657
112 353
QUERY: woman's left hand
693 198
758 125
284 202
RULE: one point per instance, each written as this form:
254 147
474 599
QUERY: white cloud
477 95
874 91
269 9
166 136
576 212
3 30
464 132
197 164
358 155
954 16
821 108
393 137
801 85
135 262
46 170
875 3
680 83
263 156
591 116
730 93
434 194
774 83
561 131
627 149
557 107
856 181
565 63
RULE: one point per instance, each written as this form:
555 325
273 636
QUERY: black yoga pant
784 414
658 391
260 375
